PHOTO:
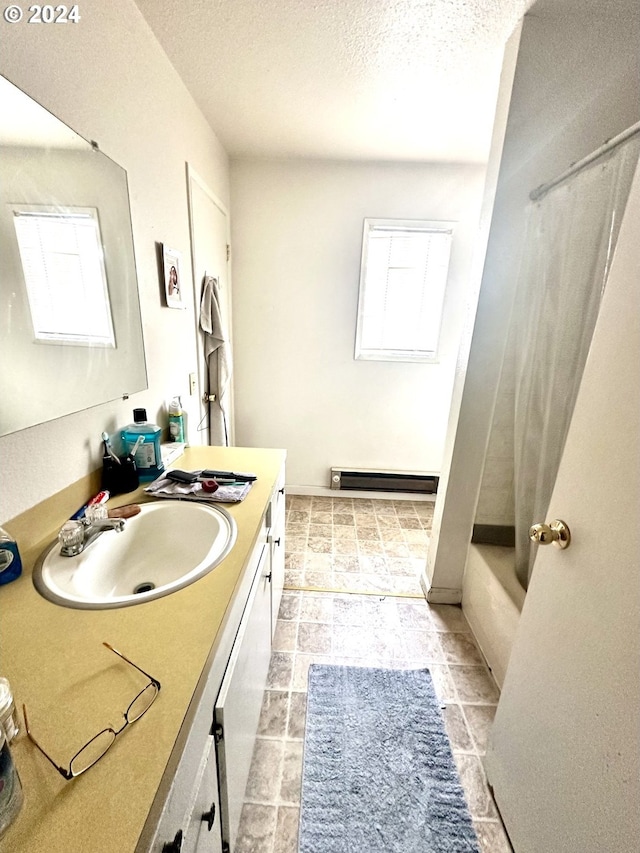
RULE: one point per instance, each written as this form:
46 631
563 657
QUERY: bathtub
492 599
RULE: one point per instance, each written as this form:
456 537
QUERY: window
63 266
402 283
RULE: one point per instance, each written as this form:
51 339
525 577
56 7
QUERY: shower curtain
571 236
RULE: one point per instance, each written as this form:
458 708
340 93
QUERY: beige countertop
74 687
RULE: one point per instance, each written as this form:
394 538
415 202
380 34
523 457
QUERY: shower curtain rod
609 145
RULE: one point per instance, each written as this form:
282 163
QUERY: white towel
217 353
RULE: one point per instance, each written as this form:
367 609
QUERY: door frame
193 177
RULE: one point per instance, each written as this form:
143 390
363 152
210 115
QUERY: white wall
109 80
575 86
296 246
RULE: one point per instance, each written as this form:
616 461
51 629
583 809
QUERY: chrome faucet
75 536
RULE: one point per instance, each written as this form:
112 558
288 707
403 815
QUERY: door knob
556 533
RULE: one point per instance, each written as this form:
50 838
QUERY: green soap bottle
148 456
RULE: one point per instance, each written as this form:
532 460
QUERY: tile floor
353 597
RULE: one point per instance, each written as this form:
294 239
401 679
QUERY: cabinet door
276 546
202 832
206 817
239 702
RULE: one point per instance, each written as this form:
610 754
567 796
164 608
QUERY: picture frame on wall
172 277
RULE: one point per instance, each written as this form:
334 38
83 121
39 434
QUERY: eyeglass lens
92 752
141 703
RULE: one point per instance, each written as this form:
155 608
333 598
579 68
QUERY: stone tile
291 784
274 714
460 648
409 522
474 684
418 551
417 537
280 671
257 829
289 606
319 517
296 517
388 523
381 611
296 542
414 615
448 617
284 639
345 547
301 669
293 580
297 715
422 646
443 683
344 531
347 610
320 544
367 527
396 549
287 830
343 519
373 564
475 786
346 563
298 501
320 530
492 837
318 562
480 719
369 547
265 775
401 585
319 580
314 638
316 607
457 729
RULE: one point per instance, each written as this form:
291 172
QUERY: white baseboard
439 594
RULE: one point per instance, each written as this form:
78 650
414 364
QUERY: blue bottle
10 562
147 455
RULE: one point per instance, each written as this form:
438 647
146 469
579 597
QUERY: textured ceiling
343 79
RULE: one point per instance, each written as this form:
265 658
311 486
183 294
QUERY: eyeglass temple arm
124 657
66 773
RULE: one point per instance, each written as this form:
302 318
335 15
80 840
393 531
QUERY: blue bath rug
378 773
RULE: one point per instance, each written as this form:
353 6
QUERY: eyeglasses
93 751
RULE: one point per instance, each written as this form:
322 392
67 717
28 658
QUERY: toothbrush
108 450
132 452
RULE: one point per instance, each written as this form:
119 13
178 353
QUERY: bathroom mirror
70 326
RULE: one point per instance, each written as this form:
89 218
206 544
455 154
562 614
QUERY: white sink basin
167 546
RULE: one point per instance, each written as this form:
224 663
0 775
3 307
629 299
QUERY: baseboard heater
361 479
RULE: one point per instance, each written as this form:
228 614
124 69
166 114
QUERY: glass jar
8 716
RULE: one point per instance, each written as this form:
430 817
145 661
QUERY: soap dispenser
147 453
176 420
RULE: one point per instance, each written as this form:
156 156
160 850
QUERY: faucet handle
71 536
95 512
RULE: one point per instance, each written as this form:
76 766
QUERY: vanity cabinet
239 702
201 812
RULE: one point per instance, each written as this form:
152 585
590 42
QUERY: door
563 755
209 225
